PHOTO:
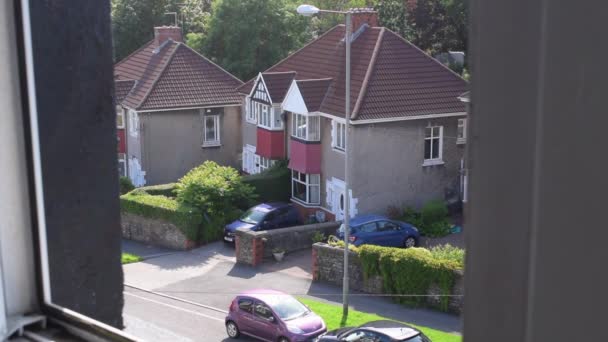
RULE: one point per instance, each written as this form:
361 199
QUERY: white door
137 175
338 198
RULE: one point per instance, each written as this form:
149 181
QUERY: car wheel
232 330
409 242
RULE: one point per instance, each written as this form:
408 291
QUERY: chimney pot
162 33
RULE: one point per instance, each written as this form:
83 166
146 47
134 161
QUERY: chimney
162 33
362 16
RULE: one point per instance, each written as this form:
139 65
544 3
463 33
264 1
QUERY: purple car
271 315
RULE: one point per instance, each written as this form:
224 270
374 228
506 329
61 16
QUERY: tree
392 14
439 25
248 36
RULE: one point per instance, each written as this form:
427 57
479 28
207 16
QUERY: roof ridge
315 79
213 63
278 72
163 69
426 54
368 73
133 53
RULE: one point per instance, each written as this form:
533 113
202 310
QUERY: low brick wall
328 267
252 247
154 231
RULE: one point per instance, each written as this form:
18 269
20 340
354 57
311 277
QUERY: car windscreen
286 307
253 216
341 229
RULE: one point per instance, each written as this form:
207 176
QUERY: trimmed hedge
409 272
271 186
161 189
187 219
125 185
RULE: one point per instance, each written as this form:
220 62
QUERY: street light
308 10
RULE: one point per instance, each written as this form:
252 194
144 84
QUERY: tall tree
392 14
248 36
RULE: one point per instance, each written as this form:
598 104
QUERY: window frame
133 123
258 315
216 125
250 113
252 304
122 158
120 114
311 125
265 164
461 131
433 161
308 185
338 140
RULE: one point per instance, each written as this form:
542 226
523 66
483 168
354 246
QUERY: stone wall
328 267
252 247
154 231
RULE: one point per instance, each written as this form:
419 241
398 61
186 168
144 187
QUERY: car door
389 234
245 314
281 219
265 324
269 221
368 233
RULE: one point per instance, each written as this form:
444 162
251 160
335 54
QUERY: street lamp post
309 10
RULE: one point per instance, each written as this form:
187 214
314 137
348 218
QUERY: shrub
125 185
449 252
273 184
186 218
409 272
411 216
318 237
161 189
433 211
432 221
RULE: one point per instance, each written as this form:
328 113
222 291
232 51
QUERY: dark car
271 315
381 231
264 216
377 331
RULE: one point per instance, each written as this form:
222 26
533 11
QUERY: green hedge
187 219
409 272
271 186
161 189
125 185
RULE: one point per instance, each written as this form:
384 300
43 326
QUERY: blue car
264 216
381 231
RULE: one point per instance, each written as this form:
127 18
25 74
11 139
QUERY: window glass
432 143
262 311
212 134
368 227
253 216
245 304
339 135
306 127
387 226
365 336
120 117
462 131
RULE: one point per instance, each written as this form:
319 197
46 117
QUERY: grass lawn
332 314
129 258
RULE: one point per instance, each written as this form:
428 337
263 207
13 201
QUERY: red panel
122 141
305 157
270 144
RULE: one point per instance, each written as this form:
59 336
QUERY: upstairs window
268 117
338 137
433 145
120 117
250 112
211 129
306 127
462 131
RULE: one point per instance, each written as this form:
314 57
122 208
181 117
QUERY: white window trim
269 163
462 139
335 124
249 159
250 113
120 112
216 124
124 161
307 134
133 123
439 159
308 186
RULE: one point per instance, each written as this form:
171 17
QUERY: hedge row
161 189
271 186
187 219
409 272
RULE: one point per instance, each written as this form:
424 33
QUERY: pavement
183 296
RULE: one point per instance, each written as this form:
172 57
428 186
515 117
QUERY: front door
338 199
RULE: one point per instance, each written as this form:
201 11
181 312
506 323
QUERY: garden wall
154 231
252 247
328 267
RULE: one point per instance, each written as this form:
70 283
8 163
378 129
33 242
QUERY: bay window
305 187
433 145
267 116
306 127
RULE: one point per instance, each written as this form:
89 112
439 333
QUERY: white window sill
211 144
253 122
305 204
339 150
271 128
461 141
433 162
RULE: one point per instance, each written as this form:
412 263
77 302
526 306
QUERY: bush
449 252
272 185
432 221
433 211
161 189
217 190
412 217
125 185
186 218
318 237
409 272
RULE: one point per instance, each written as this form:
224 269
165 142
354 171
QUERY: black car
376 331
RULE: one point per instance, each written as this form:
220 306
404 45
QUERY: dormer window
268 116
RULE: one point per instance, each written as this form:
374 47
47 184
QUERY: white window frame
338 136
250 112
249 159
120 117
216 126
122 158
133 123
439 159
308 184
461 131
268 116
265 163
306 127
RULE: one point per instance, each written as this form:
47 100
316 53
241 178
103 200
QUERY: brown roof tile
278 84
122 88
314 92
175 76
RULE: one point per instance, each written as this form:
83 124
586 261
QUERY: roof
314 92
122 88
277 84
172 76
390 77
394 330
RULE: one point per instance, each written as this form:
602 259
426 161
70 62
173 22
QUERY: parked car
381 231
377 331
263 217
271 315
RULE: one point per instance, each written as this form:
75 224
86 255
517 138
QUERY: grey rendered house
181 110
408 125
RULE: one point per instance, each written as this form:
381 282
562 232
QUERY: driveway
199 283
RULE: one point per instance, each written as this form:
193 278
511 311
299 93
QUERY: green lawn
129 258
332 314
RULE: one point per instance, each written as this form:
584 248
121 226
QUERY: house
177 108
408 126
